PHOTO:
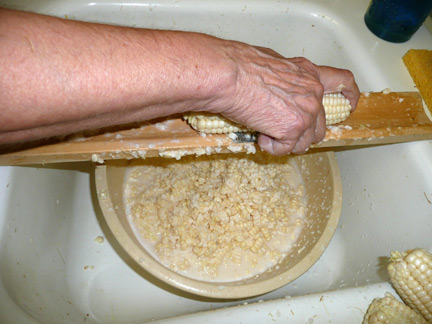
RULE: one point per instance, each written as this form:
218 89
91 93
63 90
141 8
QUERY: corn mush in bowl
226 225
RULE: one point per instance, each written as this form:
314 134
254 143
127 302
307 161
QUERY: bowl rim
219 290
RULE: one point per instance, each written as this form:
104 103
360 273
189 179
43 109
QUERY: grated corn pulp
220 217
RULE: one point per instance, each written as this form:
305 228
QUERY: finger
320 128
315 127
304 141
297 144
274 147
339 80
311 134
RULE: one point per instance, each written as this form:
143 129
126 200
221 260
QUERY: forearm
59 76
65 75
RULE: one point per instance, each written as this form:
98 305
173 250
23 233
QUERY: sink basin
59 263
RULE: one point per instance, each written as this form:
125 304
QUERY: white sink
53 271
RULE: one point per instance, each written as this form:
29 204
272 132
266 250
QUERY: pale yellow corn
411 275
337 109
212 123
389 310
217 212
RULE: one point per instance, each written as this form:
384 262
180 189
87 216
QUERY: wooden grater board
379 119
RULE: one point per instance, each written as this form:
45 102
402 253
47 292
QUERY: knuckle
286 131
318 88
347 74
307 65
299 123
302 60
311 105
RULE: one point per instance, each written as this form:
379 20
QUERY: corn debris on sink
337 109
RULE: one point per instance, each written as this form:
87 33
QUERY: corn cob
411 275
337 109
389 310
212 123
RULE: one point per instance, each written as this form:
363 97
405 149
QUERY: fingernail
266 144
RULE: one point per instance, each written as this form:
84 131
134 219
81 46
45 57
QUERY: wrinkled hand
282 98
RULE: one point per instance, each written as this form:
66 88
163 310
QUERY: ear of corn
389 310
411 275
337 109
212 123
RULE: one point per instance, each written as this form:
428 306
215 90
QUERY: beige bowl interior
324 198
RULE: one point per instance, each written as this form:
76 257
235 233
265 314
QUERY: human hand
282 98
